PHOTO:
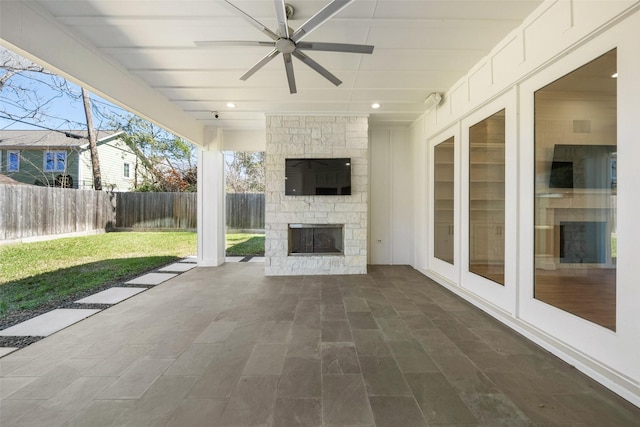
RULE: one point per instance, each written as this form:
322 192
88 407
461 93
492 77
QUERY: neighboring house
63 159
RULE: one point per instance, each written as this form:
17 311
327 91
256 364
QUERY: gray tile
336 331
47 385
393 411
266 359
100 413
496 410
78 393
394 329
340 359
297 412
416 320
300 378
305 342
194 360
411 357
276 332
361 320
222 374
439 401
7 350
159 403
383 377
333 312
252 402
10 385
355 304
370 343
344 401
197 413
136 379
216 332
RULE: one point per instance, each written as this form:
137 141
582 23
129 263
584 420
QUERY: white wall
557 38
391 196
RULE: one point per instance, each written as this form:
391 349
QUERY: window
576 192
126 171
443 194
13 161
486 197
55 161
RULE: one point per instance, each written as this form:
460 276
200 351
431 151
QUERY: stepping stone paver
111 296
151 279
233 258
48 323
178 267
257 259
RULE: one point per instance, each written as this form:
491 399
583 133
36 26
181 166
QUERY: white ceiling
421 46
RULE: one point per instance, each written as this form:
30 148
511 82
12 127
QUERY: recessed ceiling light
231 105
614 75
375 105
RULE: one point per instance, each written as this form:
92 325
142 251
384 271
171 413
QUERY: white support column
211 199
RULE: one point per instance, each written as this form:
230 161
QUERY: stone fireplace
308 235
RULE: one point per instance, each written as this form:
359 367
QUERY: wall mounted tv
318 177
583 166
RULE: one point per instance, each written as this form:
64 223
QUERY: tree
167 162
245 171
30 94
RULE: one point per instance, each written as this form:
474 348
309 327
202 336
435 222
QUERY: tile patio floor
229 347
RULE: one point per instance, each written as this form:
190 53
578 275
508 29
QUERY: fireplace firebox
316 239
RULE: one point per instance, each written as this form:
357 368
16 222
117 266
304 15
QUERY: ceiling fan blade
319 18
335 47
288 65
223 43
253 21
264 61
281 16
317 67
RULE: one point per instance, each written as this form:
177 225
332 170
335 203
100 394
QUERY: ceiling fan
289 42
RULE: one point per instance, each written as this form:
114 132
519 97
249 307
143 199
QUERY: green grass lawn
32 274
245 244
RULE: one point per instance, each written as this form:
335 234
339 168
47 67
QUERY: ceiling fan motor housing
289 10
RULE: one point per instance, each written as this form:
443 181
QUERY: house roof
45 139
9 181
143 55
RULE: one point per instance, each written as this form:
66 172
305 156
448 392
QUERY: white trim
8 160
55 160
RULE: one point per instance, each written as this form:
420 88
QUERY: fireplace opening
583 242
316 239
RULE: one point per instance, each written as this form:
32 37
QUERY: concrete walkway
227 346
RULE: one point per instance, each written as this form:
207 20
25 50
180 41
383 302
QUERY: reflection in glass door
486 197
576 192
443 194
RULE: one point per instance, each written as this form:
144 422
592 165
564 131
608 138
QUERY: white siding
113 155
557 38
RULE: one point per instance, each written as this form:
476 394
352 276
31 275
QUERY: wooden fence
28 211
156 211
245 211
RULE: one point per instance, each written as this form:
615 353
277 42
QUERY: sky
59 111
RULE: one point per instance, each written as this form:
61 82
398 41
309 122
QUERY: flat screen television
318 177
583 166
